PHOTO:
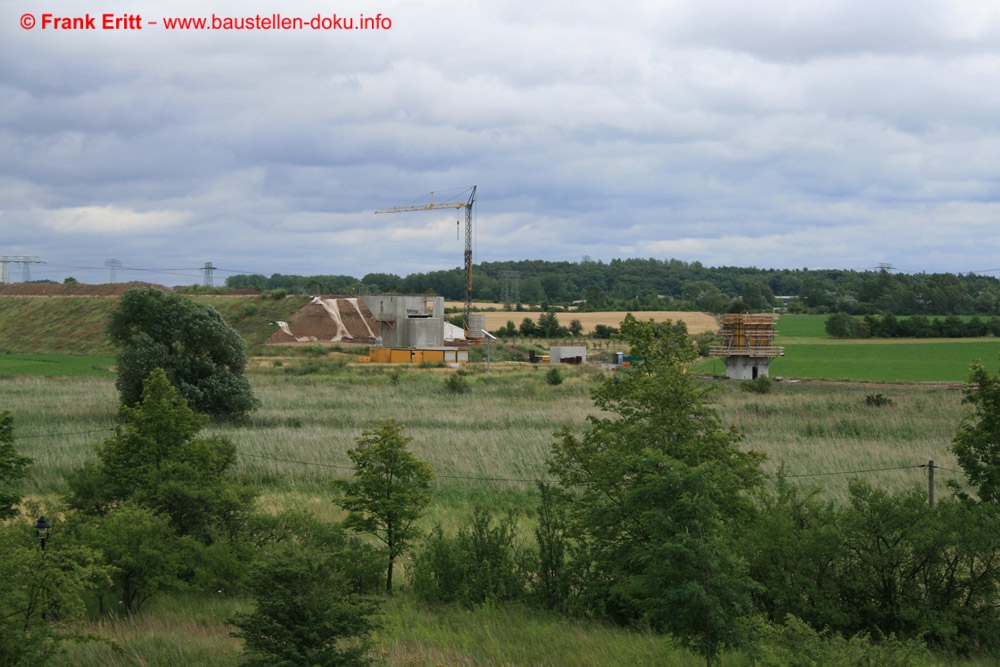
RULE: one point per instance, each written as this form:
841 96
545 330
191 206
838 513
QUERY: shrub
457 384
306 614
877 400
554 376
481 564
760 385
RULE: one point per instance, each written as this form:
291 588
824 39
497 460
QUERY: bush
795 643
760 385
481 564
306 614
554 376
877 400
457 384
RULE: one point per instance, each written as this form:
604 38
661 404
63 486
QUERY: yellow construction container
398 355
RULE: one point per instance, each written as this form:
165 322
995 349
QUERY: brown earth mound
328 319
72 289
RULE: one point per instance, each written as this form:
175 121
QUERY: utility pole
930 483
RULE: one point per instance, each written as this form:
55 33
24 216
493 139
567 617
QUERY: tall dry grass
490 444
820 431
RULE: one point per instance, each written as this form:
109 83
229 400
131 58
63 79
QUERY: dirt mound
72 289
328 319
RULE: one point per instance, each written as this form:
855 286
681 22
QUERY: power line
57 435
483 479
856 472
338 467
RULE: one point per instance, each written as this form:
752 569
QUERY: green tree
43 594
548 325
575 327
977 443
13 467
509 330
204 357
144 552
649 490
595 298
841 325
157 459
753 295
814 292
390 489
306 615
482 563
528 328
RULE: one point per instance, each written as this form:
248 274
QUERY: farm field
486 447
55 365
878 360
811 353
495 319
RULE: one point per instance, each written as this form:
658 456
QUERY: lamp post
42 530
489 344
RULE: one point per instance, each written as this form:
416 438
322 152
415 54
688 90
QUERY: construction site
747 345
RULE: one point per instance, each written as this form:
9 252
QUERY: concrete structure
408 321
747 345
476 324
568 354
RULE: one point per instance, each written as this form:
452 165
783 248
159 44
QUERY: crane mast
468 237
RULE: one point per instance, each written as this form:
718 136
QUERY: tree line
842 325
652 284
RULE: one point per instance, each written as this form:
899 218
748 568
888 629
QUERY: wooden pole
930 483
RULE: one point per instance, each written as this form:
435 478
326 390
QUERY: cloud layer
775 133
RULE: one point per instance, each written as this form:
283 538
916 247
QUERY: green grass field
878 360
801 326
77 325
55 365
811 353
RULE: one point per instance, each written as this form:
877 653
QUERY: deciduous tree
649 490
204 358
389 491
977 443
157 459
13 467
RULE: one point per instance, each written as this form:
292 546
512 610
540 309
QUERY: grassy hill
76 325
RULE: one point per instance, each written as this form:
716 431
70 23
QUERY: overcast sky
783 133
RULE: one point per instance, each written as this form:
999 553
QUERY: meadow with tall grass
487 447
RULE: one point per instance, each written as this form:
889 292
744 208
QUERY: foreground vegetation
488 445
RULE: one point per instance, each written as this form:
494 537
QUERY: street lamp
489 342
42 530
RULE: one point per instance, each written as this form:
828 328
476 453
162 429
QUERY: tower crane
467 205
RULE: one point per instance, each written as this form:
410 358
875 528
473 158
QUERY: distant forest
651 284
